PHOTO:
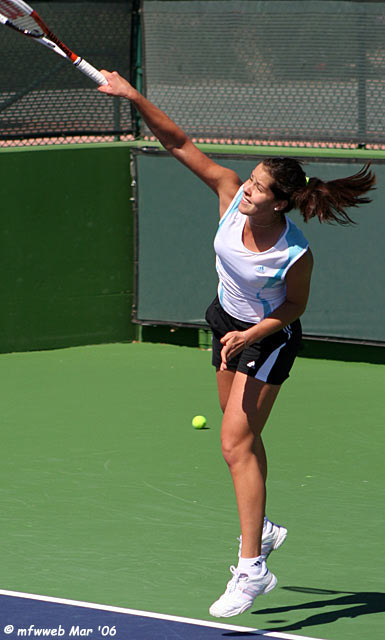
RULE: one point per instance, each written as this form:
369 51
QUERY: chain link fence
278 72
43 100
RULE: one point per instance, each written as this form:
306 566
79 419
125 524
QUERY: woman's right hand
117 86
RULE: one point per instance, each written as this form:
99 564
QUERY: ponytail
313 197
329 200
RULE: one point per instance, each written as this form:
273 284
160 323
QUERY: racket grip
91 72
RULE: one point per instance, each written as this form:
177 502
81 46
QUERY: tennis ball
198 422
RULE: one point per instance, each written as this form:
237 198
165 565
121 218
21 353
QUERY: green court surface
109 495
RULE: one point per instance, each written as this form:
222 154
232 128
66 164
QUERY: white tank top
251 285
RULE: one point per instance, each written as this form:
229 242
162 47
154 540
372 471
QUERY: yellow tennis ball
198 422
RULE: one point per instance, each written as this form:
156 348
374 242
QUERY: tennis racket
20 16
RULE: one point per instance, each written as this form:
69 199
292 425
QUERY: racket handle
90 71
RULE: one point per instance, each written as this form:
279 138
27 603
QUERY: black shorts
269 360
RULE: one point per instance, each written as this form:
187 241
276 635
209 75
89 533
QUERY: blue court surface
24 615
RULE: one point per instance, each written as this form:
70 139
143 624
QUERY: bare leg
224 383
246 410
260 452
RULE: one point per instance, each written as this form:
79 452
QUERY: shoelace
235 580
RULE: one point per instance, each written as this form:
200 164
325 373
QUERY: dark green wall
67 249
66 246
177 221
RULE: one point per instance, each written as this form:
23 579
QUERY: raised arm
224 182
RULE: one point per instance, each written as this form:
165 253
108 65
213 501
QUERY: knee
229 453
235 449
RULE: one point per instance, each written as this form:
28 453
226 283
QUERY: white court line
151 614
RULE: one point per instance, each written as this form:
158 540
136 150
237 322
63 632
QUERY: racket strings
20 16
28 25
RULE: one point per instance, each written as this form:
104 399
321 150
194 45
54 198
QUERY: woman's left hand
233 343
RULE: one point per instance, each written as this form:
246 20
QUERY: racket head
18 15
22 17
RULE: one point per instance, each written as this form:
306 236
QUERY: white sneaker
241 592
272 538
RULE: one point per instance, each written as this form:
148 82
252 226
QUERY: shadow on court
355 604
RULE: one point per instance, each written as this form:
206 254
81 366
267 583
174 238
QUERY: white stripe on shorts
264 371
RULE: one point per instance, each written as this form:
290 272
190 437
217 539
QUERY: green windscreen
66 258
177 217
232 70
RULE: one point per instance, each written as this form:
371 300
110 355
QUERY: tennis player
264 267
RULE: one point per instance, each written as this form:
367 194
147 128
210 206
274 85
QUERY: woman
264 266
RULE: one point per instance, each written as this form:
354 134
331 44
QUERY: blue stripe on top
296 245
233 206
251 284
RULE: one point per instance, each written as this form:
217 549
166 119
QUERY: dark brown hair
314 197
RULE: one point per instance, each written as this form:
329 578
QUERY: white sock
250 565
